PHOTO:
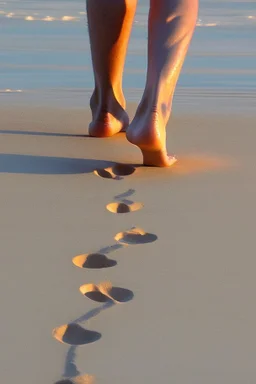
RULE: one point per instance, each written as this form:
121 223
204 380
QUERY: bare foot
147 131
107 119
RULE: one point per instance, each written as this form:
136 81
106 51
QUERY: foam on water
212 13
45 46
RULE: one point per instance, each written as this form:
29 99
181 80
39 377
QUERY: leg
110 23
171 26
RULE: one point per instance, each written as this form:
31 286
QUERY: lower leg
110 23
171 26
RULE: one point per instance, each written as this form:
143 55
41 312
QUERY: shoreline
186 100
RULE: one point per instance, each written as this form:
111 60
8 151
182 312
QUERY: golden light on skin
124 207
135 236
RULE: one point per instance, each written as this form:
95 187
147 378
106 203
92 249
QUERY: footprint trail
73 333
123 205
71 373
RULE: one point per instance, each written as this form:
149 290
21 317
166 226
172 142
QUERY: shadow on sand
34 133
46 165
70 368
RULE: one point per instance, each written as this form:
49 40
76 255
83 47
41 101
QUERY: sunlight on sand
85 379
124 207
189 165
93 261
135 236
74 334
105 291
196 164
115 172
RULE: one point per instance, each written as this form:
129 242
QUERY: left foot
109 119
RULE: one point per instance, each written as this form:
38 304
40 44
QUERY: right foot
147 131
109 119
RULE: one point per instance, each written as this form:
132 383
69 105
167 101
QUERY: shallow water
45 50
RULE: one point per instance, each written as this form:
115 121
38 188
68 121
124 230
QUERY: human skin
171 25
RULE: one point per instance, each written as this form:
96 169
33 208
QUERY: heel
157 158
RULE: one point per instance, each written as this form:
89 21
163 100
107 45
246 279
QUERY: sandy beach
191 317
114 273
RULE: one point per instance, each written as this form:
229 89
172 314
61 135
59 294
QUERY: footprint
124 207
115 172
93 261
92 292
123 169
106 174
85 379
74 334
106 292
135 236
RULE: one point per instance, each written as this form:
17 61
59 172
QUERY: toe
171 160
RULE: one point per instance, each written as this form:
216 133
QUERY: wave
140 21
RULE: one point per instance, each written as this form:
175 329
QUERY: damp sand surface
180 304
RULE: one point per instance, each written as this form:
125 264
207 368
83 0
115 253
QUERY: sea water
45 51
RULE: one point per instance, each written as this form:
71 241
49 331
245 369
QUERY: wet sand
180 306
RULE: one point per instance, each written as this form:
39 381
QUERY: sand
173 301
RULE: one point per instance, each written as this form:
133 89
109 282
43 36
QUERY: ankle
156 101
160 110
107 101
